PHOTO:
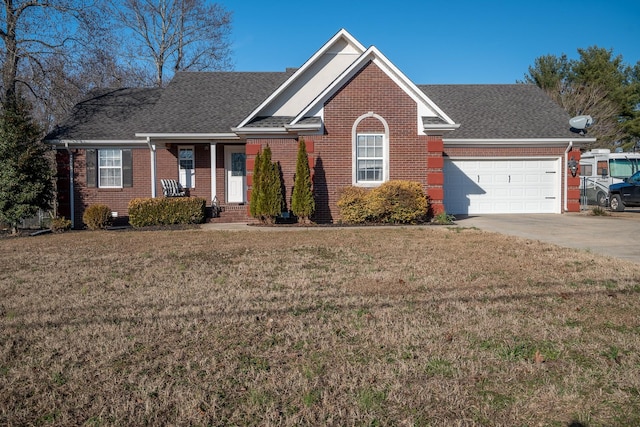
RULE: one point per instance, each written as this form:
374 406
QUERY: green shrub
599 211
97 217
166 211
443 218
267 201
60 224
397 202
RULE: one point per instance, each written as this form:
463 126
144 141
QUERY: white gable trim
306 66
395 74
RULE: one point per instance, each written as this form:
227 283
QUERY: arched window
370 154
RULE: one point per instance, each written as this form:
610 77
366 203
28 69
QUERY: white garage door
502 186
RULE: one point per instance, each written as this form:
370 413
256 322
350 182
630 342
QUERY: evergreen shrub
146 212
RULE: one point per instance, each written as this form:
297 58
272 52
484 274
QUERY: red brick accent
573 194
251 162
573 207
309 145
252 149
435 178
435 145
437 208
311 162
435 194
434 162
249 180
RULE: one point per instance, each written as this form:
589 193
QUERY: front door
235 168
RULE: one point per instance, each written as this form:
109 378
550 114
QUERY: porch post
212 150
152 153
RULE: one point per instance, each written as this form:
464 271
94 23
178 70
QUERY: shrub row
166 211
398 202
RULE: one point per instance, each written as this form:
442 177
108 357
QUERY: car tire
616 203
601 199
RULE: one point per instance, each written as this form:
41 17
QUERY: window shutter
127 168
92 171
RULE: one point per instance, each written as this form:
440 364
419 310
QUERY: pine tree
303 204
25 171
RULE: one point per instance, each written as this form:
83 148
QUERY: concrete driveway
617 235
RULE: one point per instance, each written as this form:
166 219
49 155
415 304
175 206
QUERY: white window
110 168
370 159
187 166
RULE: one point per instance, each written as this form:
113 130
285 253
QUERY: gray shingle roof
114 114
214 102
210 102
500 111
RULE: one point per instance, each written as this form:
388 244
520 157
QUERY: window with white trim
370 158
110 168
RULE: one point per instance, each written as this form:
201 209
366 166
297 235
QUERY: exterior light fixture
573 166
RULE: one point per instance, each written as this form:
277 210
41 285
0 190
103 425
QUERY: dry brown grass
384 326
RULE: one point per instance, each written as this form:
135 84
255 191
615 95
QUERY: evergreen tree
25 171
256 188
271 202
302 203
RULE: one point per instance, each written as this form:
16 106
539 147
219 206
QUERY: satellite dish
580 122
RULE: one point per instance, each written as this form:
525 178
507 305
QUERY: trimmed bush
166 211
60 224
397 202
400 202
353 205
97 217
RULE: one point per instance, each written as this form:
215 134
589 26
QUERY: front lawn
373 326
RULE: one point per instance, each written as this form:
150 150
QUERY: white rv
599 169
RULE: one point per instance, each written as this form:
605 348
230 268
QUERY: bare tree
176 35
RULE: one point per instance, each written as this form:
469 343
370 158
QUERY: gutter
72 210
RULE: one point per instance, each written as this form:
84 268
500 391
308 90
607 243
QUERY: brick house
474 148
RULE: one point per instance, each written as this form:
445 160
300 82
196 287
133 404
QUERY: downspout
565 177
72 210
152 154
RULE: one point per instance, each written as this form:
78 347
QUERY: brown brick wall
118 198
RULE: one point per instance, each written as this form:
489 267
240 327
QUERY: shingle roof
214 102
210 102
114 114
500 111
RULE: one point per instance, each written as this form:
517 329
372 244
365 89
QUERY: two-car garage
503 185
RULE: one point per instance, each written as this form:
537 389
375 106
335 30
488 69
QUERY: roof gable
426 108
309 80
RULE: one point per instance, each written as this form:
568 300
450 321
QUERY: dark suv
625 194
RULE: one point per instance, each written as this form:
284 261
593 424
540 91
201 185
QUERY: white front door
187 167
235 171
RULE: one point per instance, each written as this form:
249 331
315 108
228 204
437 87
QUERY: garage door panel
501 186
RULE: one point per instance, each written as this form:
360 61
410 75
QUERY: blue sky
433 42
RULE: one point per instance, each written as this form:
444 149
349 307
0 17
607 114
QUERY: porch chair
172 188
